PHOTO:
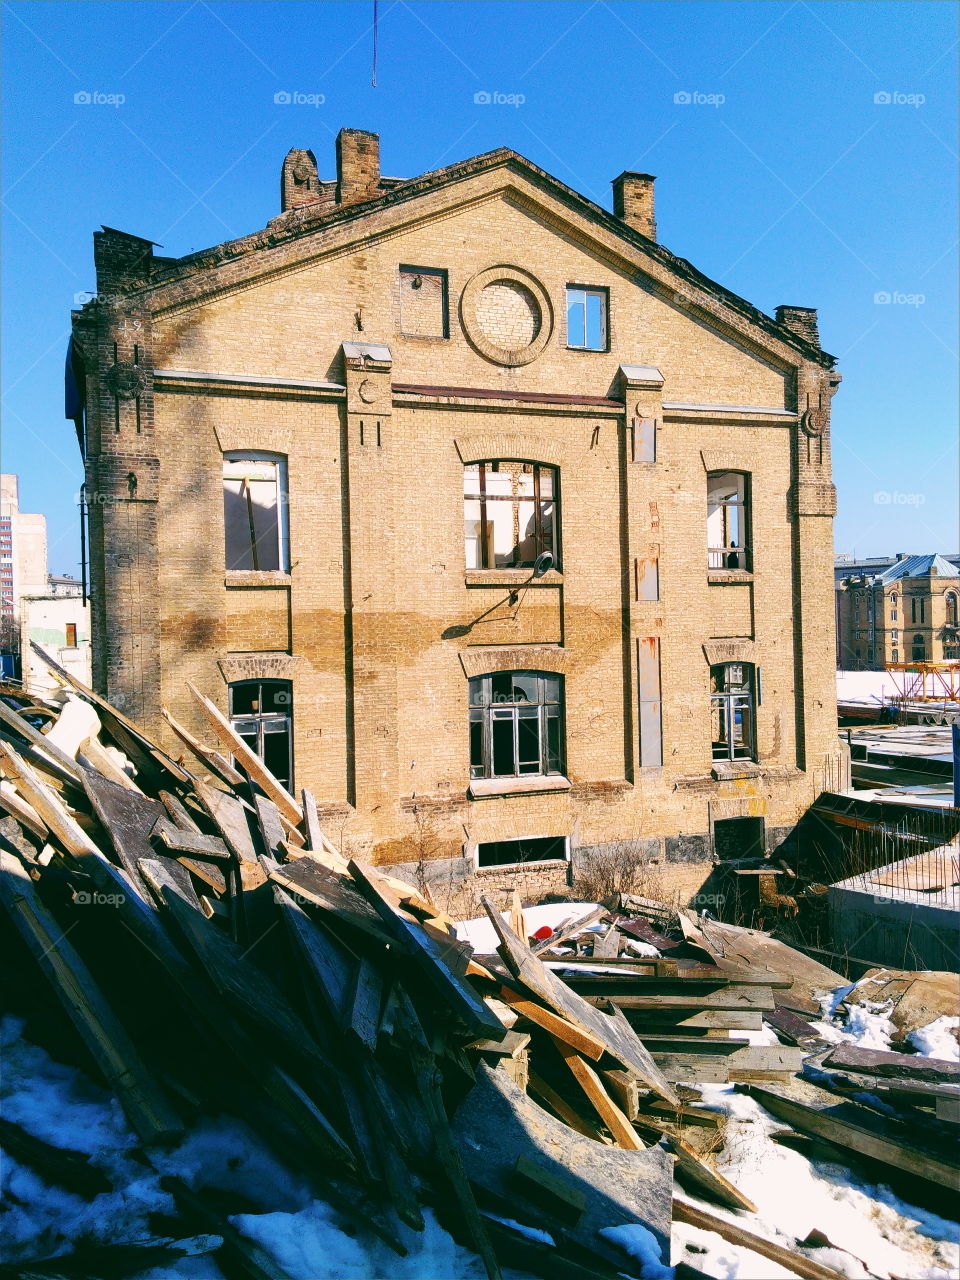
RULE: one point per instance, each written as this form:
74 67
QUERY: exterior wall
378 624
23 554
44 619
887 931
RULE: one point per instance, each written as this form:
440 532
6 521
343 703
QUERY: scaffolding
926 681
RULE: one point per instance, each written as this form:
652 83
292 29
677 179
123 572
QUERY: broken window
423 302
510 514
732 710
499 853
261 712
254 511
586 318
516 724
727 520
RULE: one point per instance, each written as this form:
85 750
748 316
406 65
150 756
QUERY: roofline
312 215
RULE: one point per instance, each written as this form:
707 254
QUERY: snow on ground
482 936
873 1233
304 1235
935 1039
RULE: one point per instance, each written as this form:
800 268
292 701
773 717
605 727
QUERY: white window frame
588 291
279 460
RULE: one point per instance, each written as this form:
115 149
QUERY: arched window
952 605
728 520
732 710
261 712
516 724
511 514
255 511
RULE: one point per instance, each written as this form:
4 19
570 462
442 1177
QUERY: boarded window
255 512
499 853
423 302
71 630
648 686
510 514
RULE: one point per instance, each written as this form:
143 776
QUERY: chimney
633 202
358 166
299 181
802 321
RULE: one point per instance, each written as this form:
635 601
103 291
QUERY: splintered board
621 1041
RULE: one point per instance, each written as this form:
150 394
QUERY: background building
23 561
484 516
908 612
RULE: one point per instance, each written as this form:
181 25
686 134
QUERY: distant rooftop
848 566
935 566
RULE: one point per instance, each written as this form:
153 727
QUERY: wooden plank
685 1115
792 1028
746 1058
46 804
732 998
230 815
145 1106
948 1109
159 877
364 1002
517 922
179 814
857 1129
93 755
880 1063
202 848
240 1255
618 1037
311 820
53 752
562 1108
248 760
607 946
557 1195
681 1021
693 1172
23 812
59 1166
691 1067
213 760
694 1216
625 1091
313 881
419 946
271 828
114 719
577 1037
326 965
620 1127
644 932
128 817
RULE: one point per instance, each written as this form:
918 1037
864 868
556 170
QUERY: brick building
484 516
908 613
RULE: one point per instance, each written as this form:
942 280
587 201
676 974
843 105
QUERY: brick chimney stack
299 182
358 166
802 321
633 202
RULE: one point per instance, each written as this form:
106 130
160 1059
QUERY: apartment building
483 515
907 613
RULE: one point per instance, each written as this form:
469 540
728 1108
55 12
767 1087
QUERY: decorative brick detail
507 315
478 662
258 666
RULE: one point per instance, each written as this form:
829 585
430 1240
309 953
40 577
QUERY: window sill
510 578
590 351
723 577
500 868
730 770
256 578
482 788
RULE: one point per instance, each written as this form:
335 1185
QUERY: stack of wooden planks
184 931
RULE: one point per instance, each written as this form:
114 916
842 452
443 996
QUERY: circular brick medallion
506 314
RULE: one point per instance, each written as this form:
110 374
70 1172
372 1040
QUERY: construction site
230 1051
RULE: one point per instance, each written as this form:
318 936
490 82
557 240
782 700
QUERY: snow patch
935 1039
641 1244
482 936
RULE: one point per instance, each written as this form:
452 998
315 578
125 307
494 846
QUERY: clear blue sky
796 187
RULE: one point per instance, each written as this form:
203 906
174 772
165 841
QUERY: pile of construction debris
190 938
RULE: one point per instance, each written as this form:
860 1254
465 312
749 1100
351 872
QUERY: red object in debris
543 933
